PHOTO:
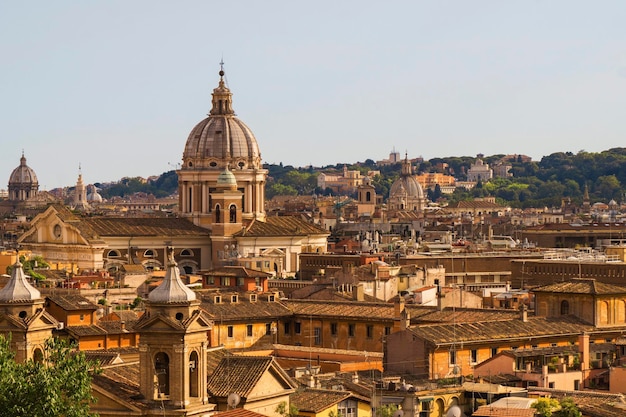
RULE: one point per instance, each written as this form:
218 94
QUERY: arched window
162 369
193 374
149 253
186 252
233 213
368 196
564 307
38 355
218 214
113 254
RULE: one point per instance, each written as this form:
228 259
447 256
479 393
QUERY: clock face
57 231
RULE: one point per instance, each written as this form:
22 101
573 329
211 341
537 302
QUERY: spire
172 289
222 97
406 166
18 288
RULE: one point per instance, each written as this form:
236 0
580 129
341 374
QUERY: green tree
57 385
546 406
551 407
284 411
568 409
386 410
30 264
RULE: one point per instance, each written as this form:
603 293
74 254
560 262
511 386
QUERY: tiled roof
89 330
282 226
122 381
237 271
317 400
488 411
240 374
424 314
238 412
344 309
487 331
72 302
144 226
473 204
582 286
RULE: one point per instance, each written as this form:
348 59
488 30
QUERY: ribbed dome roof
406 185
221 138
172 289
23 174
18 288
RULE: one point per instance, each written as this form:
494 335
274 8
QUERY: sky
114 87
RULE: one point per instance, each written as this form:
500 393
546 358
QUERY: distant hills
541 183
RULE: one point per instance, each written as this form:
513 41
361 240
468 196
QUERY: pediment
273 252
53 227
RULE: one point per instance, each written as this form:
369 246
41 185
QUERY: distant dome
406 193
23 183
94 196
406 186
221 138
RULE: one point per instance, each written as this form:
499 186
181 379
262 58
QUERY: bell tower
22 316
174 343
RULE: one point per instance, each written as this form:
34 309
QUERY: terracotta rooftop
343 309
317 400
72 302
240 374
238 412
282 226
427 314
582 286
237 271
489 331
144 226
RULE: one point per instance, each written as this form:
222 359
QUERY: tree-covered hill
532 184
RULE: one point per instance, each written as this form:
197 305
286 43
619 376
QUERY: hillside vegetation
532 184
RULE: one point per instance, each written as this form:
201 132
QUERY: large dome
23 174
221 139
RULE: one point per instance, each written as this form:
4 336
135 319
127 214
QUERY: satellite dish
233 400
398 413
454 411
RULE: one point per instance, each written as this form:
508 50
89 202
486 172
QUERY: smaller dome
18 288
94 196
172 289
227 179
23 174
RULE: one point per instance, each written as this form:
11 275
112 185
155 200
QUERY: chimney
357 293
583 349
524 312
123 325
355 378
439 296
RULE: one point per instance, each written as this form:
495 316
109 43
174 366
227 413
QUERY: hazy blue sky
117 85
